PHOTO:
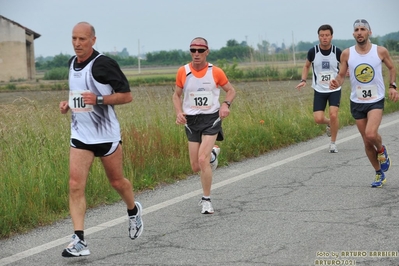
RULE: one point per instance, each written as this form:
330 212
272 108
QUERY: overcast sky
154 25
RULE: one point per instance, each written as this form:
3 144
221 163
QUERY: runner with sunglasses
364 62
201 112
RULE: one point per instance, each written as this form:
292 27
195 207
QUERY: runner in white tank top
197 106
364 61
91 124
96 84
201 95
366 76
324 59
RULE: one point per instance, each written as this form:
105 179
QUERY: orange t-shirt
219 76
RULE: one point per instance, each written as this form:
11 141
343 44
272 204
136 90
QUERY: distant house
17 57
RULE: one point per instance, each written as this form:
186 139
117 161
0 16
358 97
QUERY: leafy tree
60 60
390 36
375 40
343 44
174 57
392 45
232 43
124 53
238 52
123 60
57 61
303 46
263 47
233 51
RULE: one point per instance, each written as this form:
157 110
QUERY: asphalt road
296 206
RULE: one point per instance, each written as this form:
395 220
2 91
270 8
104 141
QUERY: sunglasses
200 50
361 23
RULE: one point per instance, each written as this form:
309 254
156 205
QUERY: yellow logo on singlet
364 73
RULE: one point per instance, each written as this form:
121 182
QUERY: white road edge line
156 207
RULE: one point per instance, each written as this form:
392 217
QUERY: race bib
201 100
77 104
325 77
366 92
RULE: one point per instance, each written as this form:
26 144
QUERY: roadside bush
264 72
58 73
293 73
232 72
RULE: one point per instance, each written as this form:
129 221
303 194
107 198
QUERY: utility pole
293 48
138 56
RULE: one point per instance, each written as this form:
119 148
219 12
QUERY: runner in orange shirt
199 109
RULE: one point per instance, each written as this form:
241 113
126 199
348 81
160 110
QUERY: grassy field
35 143
155 76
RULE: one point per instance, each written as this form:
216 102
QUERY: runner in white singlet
197 105
364 63
324 59
96 84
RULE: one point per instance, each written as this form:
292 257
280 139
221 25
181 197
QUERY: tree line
234 51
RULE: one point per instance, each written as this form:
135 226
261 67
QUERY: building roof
28 31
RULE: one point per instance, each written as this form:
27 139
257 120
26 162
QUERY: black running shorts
203 124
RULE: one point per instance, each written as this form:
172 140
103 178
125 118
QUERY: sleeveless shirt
325 68
91 124
201 95
366 77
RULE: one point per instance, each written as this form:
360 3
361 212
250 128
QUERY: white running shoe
206 206
76 248
333 148
136 224
214 157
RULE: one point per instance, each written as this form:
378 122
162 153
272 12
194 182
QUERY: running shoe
214 157
333 148
206 206
136 224
328 131
384 160
76 248
379 180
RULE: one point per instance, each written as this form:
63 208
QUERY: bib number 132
201 100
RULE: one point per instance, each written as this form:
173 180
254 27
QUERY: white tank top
325 68
91 124
365 71
201 96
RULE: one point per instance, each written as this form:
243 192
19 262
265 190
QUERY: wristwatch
392 85
228 103
100 100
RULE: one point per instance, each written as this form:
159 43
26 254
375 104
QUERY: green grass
34 144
